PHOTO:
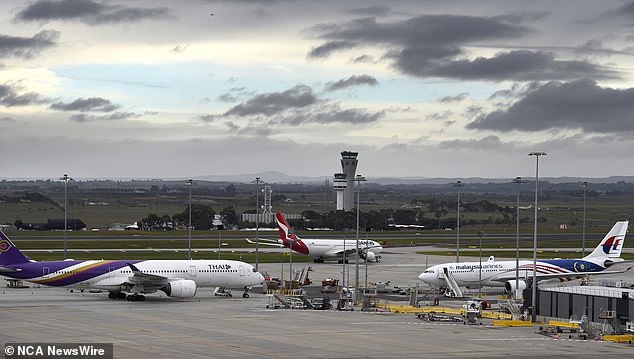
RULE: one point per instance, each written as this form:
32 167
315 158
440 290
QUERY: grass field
524 254
241 256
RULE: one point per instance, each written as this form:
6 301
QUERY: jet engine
511 288
183 288
368 256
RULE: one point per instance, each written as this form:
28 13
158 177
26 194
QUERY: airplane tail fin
287 235
9 253
609 249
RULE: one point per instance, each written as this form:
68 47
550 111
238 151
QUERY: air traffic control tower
345 193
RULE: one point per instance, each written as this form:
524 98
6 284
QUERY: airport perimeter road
218 327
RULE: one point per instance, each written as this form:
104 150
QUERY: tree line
432 215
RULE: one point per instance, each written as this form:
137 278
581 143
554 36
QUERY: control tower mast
349 168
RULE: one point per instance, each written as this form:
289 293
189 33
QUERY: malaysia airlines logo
612 244
4 246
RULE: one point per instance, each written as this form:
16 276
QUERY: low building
598 304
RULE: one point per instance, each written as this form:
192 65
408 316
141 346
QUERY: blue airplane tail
609 249
9 253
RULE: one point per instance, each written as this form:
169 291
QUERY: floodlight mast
534 284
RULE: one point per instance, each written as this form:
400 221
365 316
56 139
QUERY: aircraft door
241 269
45 272
110 272
193 271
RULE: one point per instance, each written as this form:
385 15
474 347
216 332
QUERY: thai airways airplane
502 273
177 278
320 249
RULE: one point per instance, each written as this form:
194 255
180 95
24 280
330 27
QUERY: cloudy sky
178 89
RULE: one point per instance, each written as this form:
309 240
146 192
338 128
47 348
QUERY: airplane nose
426 277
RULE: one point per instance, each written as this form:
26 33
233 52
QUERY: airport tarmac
220 327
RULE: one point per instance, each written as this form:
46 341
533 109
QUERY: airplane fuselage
333 248
496 274
110 274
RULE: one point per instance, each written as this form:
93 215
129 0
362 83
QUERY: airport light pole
534 284
481 234
517 181
458 184
343 261
583 238
290 266
257 182
65 178
189 183
358 179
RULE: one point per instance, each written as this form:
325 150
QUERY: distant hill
279 177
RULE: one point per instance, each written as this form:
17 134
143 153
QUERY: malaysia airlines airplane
320 249
502 273
177 278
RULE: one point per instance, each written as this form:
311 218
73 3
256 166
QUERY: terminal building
610 307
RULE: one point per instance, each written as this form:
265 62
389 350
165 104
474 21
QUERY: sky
182 89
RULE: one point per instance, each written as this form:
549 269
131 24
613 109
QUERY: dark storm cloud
331 114
87 11
433 46
271 103
81 118
86 104
293 107
363 59
27 47
326 49
355 80
580 104
519 65
9 97
425 30
626 10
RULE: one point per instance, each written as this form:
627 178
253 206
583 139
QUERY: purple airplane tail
9 253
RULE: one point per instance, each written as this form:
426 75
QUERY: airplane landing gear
246 292
135 298
116 295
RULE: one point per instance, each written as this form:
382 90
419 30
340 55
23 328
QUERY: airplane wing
339 252
266 242
146 279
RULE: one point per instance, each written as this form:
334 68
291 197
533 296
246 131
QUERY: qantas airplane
320 249
177 278
502 273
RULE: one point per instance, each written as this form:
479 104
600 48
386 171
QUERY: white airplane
177 278
320 249
502 273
